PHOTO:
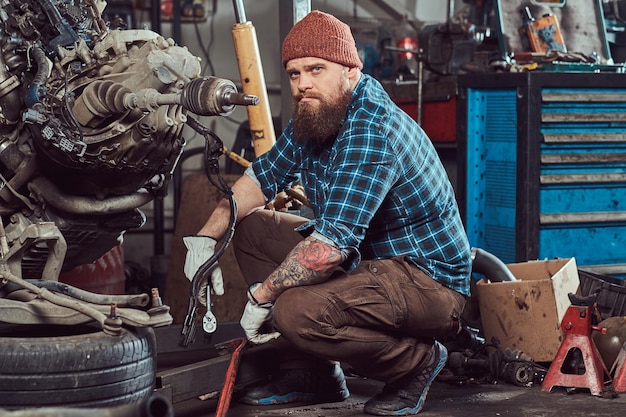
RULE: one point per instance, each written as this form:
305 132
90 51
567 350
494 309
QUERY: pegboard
582 25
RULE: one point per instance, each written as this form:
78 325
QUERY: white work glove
255 315
199 250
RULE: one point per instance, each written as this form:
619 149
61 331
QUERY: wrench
209 322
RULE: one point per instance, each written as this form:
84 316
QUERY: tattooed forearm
310 262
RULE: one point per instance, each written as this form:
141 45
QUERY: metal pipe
240 11
490 266
177 33
155 15
50 193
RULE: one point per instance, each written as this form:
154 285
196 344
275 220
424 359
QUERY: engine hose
36 89
490 266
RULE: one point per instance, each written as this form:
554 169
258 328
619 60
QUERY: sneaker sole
414 410
294 397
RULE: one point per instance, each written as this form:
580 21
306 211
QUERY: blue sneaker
300 385
409 398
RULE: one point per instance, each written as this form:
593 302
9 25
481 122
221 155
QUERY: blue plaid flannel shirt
380 191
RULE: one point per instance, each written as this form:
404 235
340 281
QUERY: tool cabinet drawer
542 166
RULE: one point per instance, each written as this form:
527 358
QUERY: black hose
490 266
36 88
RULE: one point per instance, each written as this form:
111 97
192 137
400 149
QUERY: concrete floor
450 395
444 400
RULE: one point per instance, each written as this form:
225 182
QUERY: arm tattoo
310 262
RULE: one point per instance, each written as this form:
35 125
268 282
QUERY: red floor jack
577 327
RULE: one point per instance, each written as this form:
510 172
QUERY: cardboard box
526 314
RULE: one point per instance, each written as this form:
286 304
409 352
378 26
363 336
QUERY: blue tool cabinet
542 166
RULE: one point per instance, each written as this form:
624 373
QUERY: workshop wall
212 41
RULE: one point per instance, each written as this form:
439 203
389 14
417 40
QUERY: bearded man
382 267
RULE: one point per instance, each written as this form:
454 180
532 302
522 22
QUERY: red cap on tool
324 36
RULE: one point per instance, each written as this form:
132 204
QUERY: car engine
91 122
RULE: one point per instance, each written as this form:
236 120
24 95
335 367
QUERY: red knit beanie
321 35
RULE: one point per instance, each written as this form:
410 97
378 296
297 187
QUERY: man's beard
320 124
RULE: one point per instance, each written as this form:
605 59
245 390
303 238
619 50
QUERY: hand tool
209 322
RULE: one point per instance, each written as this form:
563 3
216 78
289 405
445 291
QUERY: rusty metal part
236 157
40 305
121 300
157 304
31 310
61 300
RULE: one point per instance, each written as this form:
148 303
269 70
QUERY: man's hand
255 315
199 250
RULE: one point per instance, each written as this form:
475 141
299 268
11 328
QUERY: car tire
75 366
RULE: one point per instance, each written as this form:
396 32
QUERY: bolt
156 299
112 325
113 313
157 304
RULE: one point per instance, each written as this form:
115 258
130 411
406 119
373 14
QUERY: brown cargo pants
381 319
